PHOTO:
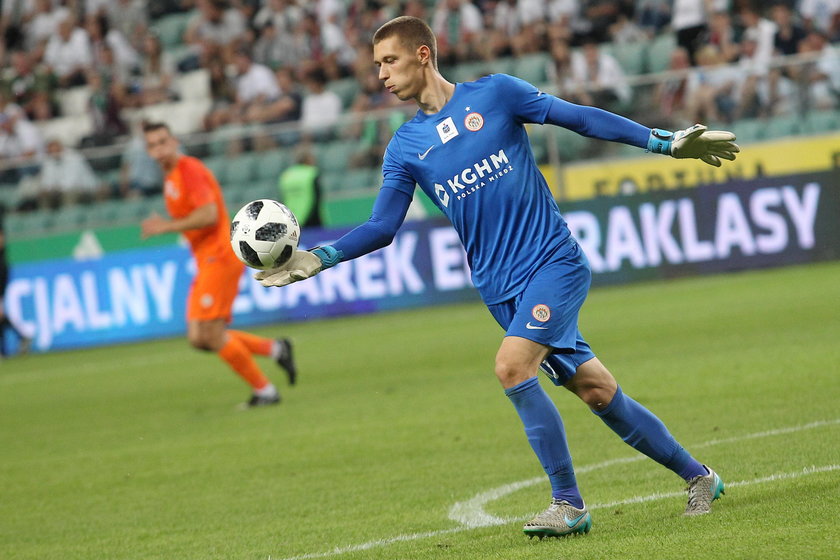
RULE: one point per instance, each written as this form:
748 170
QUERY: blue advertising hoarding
140 294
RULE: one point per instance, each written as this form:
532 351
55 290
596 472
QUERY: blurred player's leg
240 359
279 349
212 335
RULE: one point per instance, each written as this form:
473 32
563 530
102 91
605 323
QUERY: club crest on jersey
541 313
171 190
474 121
446 130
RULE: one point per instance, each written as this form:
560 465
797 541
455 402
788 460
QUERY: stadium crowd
272 61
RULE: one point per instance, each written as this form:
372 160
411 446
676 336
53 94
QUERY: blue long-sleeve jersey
474 160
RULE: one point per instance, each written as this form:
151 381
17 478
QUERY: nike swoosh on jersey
532 327
424 154
572 522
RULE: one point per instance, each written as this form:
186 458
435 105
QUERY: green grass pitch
398 424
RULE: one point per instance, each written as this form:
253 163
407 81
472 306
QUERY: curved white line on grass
471 512
634 500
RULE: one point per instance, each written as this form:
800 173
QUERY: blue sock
547 437
646 433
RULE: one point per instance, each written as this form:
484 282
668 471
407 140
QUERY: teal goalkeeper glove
709 146
302 265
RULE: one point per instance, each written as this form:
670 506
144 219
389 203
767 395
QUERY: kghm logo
474 177
442 195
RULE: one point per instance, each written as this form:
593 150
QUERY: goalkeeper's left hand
709 146
302 265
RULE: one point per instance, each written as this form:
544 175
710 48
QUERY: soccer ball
264 234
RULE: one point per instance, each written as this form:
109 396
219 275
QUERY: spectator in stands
276 48
788 33
140 175
321 107
215 31
711 88
601 15
67 178
671 94
130 18
559 70
721 34
688 20
459 28
300 189
154 83
287 106
822 78
372 131
222 94
68 54
20 142
107 99
32 90
283 15
762 31
625 30
101 35
653 15
822 16
339 55
42 26
597 78
256 88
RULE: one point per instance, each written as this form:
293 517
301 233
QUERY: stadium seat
193 85
170 29
241 169
335 156
817 122
74 101
469 71
632 57
218 165
570 145
781 126
70 217
271 163
69 129
749 130
130 211
346 89
659 52
532 68
8 195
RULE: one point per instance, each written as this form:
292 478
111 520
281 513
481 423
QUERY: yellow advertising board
650 172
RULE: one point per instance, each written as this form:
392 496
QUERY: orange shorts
213 290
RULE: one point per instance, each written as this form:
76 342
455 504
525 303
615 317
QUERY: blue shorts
547 312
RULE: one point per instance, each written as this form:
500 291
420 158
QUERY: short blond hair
412 32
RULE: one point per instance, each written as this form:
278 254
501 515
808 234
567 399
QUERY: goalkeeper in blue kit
468 151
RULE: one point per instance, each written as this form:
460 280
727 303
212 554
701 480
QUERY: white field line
471 512
379 543
472 516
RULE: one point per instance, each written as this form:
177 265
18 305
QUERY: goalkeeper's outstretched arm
709 146
388 213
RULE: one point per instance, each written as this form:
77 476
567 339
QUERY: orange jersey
191 185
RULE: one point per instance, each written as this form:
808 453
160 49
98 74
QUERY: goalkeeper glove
302 265
709 146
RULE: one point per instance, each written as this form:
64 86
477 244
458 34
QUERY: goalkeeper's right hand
302 265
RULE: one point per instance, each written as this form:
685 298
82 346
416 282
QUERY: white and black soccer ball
264 234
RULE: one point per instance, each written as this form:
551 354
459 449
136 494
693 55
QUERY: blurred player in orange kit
194 202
